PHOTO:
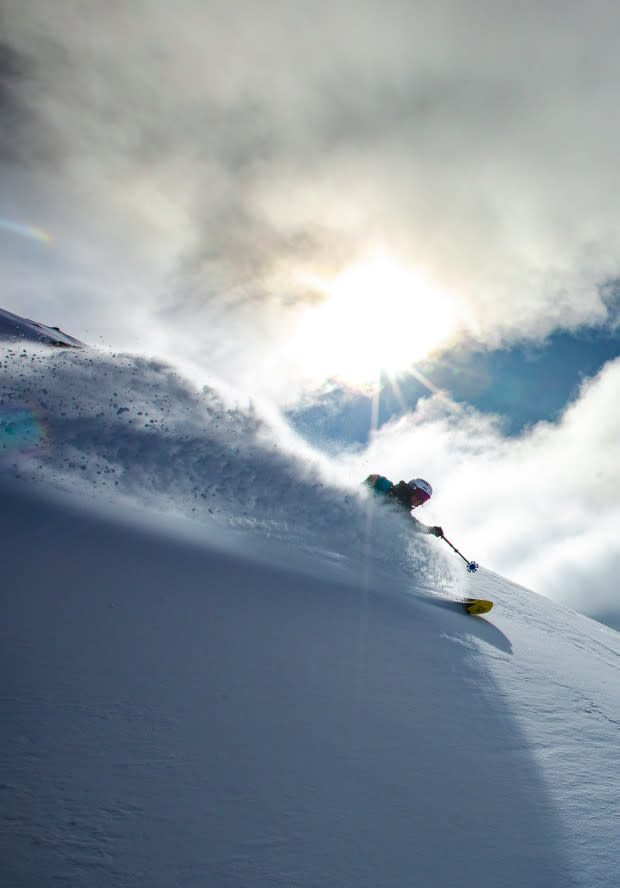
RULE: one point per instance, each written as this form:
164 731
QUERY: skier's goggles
421 495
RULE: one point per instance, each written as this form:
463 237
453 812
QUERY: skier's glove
436 531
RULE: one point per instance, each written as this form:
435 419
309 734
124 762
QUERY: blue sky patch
523 385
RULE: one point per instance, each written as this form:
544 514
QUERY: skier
407 495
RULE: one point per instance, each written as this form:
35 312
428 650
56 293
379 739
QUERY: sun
378 316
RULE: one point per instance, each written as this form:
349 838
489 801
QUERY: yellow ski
477 605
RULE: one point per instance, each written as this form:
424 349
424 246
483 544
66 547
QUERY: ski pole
472 566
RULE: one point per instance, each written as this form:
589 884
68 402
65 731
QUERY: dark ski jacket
400 495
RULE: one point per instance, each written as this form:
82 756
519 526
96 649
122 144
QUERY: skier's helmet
422 488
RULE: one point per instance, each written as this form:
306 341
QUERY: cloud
542 509
195 160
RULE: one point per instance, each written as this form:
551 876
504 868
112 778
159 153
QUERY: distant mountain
12 326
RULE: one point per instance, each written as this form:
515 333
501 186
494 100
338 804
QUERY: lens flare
26 231
20 430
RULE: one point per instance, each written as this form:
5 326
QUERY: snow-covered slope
220 668
16 328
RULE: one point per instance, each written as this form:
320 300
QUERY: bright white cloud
196 160
542 509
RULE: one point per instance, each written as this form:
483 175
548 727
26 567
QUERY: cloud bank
542 508
194 162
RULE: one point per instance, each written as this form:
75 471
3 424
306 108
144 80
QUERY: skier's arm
424 528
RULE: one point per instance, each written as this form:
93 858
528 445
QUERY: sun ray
374 412
440 393
397 392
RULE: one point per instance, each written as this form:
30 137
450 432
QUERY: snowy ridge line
125 426
17 329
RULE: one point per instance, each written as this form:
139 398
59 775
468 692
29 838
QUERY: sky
395 223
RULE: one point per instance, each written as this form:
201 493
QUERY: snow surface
14 327
221 667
